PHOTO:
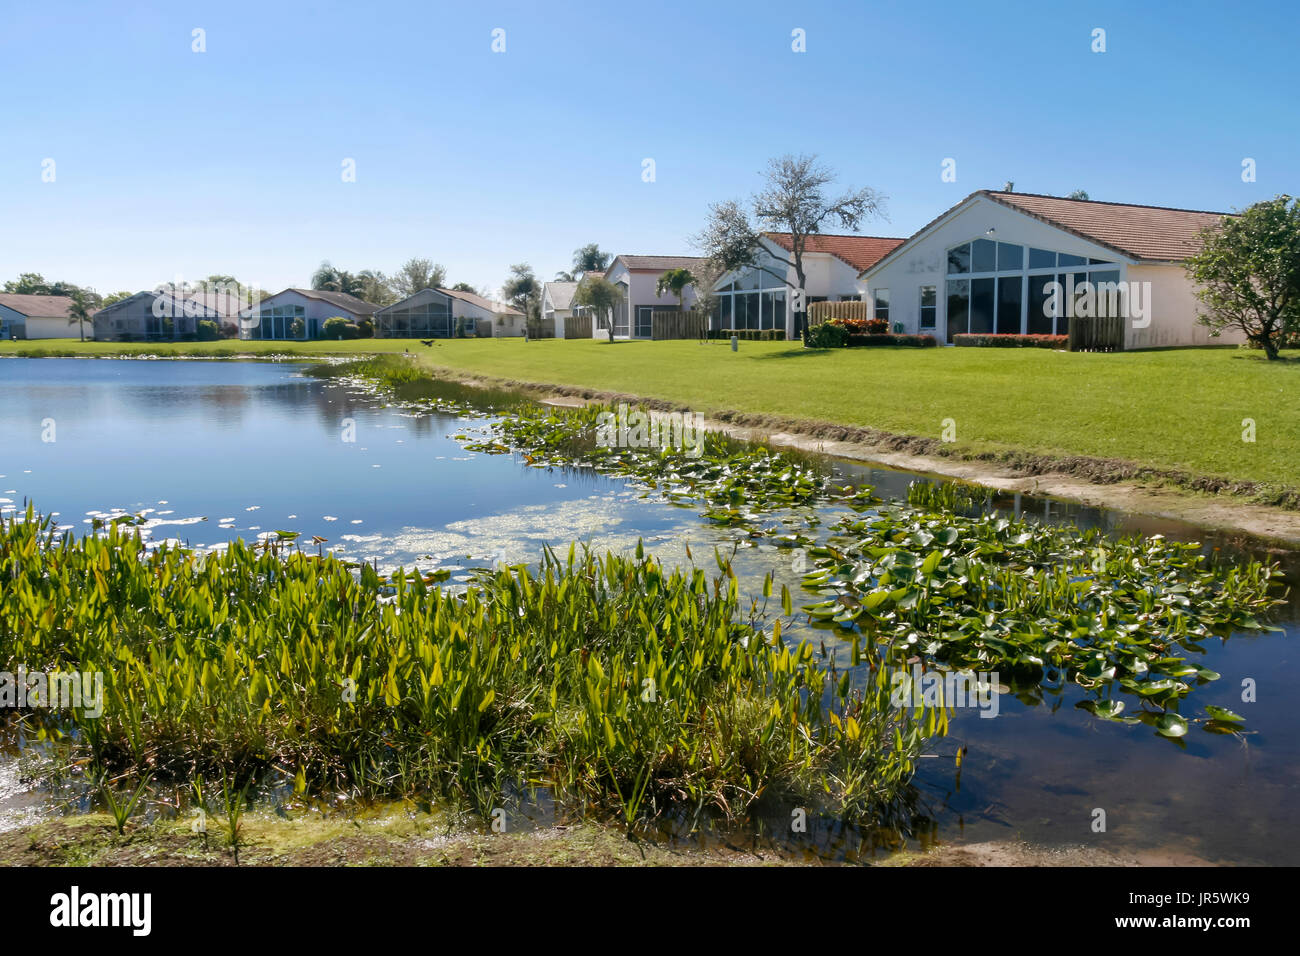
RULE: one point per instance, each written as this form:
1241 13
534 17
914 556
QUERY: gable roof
344 301
861 252
560 293
500 308
655 263
38 306
1152 233
1141 233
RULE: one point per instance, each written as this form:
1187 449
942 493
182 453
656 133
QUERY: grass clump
607 680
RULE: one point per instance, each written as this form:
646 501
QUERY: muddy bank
1263 511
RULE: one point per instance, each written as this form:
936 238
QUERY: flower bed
1010 341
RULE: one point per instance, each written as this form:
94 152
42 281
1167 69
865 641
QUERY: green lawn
1178 409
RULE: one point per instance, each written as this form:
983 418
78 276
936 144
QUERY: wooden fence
819 312
578 326
678 325
1096 334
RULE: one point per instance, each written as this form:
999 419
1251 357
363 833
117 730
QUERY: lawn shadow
794 352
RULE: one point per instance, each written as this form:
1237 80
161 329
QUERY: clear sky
169 162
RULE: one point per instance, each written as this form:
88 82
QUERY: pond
207 451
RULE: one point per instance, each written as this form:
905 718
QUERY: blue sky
170 162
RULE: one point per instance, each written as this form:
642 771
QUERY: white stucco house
638 277
275 316
445 313
763 297
557 304
989 265
38 317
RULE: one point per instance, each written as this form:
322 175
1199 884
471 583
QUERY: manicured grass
1180 409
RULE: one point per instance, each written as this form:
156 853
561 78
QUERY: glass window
881 308
1042 259
958 307
1040 319
1011 258
984 256
929 306
1068 260
959 259
1099 262
981 306
1009 305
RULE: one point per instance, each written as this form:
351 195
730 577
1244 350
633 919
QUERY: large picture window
1005 287
753 301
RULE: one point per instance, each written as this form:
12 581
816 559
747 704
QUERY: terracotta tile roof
657 263
861 252
38 306
1153 233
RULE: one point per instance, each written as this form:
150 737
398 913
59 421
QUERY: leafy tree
116 297
675 281
601 296
33 283
465 287
326 278
522 288
417 274
375 288
1078 194
589 258
1248 274
794 201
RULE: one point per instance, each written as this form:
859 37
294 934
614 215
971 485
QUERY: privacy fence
819 312
1096 333
678 325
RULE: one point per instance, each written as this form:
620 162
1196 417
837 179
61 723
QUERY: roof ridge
994 193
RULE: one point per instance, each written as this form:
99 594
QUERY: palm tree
79 313
328 279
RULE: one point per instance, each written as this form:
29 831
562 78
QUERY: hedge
912 341
1012 341
749 335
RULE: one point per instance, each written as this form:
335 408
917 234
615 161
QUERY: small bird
427 343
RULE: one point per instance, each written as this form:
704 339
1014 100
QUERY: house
1003 262
37 317
160 313
638 277
557 305
442 313
763 296
300 314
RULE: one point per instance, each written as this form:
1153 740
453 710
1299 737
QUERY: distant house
443 313
159 314
37 317
763 297
300 314
638 278
990 264
557 305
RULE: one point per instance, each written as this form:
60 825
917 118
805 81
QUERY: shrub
749 335
296 328
229 330
828 335
889 338
366 329
1011 341
208 330
337 327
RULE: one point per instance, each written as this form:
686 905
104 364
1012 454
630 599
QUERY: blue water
263 445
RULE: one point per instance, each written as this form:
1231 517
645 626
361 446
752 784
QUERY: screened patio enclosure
425 315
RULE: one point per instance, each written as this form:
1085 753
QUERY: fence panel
1097 333
819 312
678 325
577 327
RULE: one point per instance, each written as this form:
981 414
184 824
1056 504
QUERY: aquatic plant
608 680
1041 605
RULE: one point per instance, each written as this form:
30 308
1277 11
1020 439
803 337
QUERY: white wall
1174 308
57 329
